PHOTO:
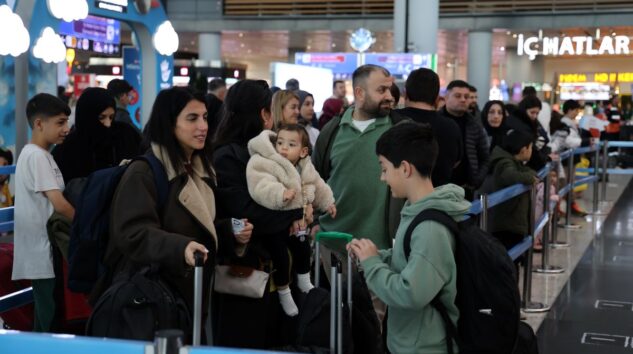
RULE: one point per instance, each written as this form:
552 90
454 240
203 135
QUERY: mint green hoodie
408 287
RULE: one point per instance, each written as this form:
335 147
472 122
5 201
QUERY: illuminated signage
604 77
112 5
578 45
341 64
401 64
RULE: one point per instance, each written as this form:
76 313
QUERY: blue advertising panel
401 64
341 64
99 29
132 74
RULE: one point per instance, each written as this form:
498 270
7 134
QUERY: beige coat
269 174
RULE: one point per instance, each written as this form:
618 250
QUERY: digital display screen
97 29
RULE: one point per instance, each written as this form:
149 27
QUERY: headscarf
302 97
331 108
91 103
496 134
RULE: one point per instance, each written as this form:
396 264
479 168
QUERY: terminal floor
592 301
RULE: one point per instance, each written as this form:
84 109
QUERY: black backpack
137 305
90 229
487 292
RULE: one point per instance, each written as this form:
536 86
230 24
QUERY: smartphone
238 225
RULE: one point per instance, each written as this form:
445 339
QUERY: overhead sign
112 5
98 29
341 64
401 64
603 77
577 45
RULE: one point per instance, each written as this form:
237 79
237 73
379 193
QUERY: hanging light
16 39
68 10
49 47
166 39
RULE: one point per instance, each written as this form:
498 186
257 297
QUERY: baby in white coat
281 176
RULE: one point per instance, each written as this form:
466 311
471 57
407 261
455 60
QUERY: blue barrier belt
16 299
7 170
586 149
627 144
520 248
565 154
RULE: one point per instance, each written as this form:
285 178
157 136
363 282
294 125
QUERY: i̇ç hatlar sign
578 45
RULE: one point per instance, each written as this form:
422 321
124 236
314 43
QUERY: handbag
240 280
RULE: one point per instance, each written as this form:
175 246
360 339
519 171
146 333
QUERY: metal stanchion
596 184
526 304
555 243
546 267
571 178
483 218
605 165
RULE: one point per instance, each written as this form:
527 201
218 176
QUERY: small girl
280 176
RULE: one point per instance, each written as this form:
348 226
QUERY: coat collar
196 163
196 195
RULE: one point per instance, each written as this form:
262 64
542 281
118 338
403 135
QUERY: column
210 48
422 25
480 63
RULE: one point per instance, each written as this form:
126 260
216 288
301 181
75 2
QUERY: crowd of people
261 155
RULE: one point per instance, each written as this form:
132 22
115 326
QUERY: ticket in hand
238 225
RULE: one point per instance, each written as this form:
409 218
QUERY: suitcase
337 242
20 318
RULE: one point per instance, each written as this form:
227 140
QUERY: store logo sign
361 40
578 45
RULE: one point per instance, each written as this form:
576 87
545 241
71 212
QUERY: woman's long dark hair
162 123
521 113
241 115
497 134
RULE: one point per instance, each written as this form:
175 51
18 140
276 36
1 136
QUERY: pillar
210 48
480 63
422 25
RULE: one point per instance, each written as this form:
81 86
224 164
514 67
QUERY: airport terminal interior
366 176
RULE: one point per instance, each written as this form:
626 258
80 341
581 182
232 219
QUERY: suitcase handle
199 258
334 235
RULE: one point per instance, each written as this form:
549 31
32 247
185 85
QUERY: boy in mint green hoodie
407 153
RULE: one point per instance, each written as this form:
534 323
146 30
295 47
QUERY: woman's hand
298 225
193 247
244 236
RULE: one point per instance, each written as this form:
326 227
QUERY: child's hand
362 248
289 194
331 210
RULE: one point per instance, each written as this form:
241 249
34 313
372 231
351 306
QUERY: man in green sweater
407 153
344 157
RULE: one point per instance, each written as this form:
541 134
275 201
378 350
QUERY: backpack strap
444 219
426 215
160 177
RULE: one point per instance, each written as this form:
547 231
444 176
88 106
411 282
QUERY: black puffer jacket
476 148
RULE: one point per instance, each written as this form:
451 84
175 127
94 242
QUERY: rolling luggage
340 315
19 318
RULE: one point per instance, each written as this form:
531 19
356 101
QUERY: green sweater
361 198
407 288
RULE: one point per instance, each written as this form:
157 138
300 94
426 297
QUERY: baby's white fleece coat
269 174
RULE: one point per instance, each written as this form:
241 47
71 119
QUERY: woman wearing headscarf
493 118
96 140
332 107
